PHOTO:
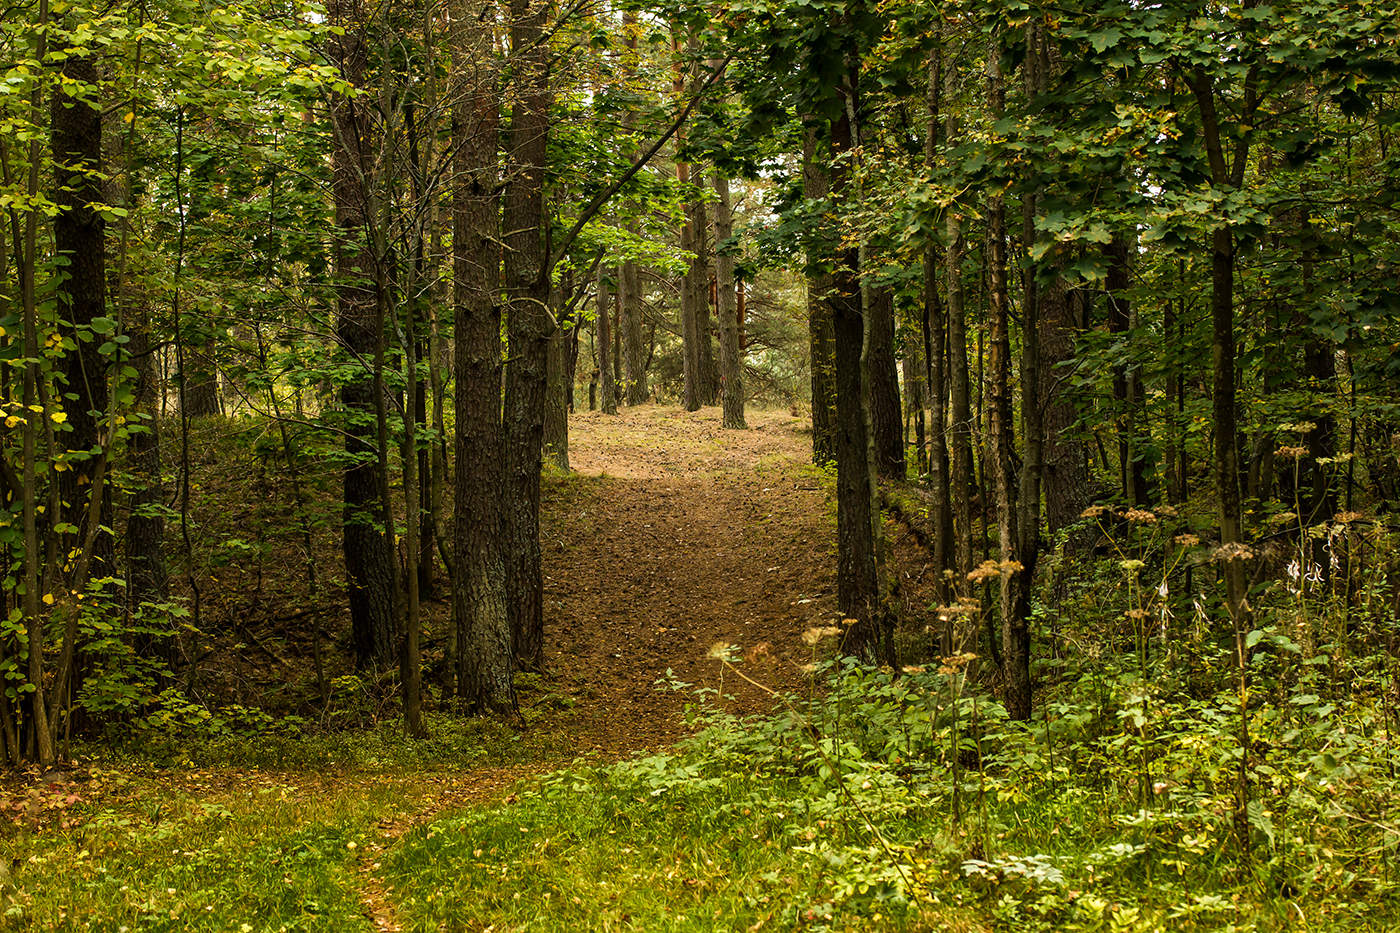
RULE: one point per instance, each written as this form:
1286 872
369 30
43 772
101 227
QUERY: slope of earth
677 537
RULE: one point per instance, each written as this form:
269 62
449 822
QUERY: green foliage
1112 810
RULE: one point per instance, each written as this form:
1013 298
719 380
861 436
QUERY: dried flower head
720 651
1093 511
1231 551
994 568
1187 540
955 662
1294 453
1347 518
1141 516
818 632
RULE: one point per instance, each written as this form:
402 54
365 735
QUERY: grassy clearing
201 851
243 832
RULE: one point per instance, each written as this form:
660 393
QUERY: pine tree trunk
821 328
870 634
935 328
79 237
1015 635
369 557
633 355
529 328
886 413
604 345
485 650
726 306
556 412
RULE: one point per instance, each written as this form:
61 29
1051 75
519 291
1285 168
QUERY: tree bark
79 238
556 410
870 633
634 353
485 657
887 423
726 306
369 555
1015 633
603 321
529 327
816 186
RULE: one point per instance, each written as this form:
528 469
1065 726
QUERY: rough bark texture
528 326
726 307
857 580
887 421
369 556
604 343
690 342
1065 474
935 327
147 577
556 409
485 656
78 232
821 328
961 486
1015 634
707 366
634 352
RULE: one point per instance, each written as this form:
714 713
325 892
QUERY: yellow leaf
59 417
48 599
129 117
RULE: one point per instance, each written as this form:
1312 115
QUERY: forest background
1093 303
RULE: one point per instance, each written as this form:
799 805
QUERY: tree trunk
529 328
731 350
885 412
1065 458
369 555
821 328
485 656
935 328
604 344
79 237
634 353
690 342
871 633
1015 633
556 411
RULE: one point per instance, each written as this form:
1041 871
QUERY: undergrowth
910 802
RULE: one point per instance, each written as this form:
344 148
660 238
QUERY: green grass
759 825
235 852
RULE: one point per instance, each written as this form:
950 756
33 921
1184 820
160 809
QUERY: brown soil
676 537
670 538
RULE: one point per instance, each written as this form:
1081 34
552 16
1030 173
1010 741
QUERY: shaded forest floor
654 787
669 537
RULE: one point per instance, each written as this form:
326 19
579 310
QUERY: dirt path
670 536
677 535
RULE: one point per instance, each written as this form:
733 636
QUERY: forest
741 465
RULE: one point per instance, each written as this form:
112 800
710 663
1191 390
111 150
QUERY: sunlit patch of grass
235 852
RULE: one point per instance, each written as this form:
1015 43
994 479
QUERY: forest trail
674 535
670 535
